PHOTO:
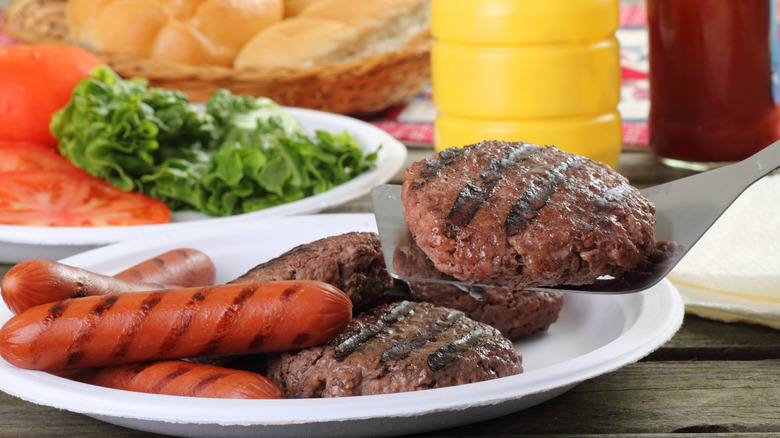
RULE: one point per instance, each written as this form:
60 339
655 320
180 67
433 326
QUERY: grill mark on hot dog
351 342
162 383
139 368
205 383
535 197
301 339
259 337
257 340
129 333
182 323
404 349
130 372
227 319
471 198
75 350
81 290
289 292
444 355
54 313
135 274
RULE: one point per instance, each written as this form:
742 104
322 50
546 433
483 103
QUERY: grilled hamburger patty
352 262
403 346
516 313
516 215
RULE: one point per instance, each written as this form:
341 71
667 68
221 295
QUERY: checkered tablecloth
412 121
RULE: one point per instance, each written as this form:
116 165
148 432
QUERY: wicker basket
364 85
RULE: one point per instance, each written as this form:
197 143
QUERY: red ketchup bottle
712 83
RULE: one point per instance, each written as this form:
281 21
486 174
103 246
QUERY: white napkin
733 273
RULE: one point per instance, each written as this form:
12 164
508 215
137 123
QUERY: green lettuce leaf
234 155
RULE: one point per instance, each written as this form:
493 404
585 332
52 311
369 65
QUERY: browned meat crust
518 215
515 313
352 262
404 346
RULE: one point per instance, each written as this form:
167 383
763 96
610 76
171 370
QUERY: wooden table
710 379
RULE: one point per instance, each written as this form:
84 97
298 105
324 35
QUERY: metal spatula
685 210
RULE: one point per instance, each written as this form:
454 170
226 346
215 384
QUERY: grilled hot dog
178 377
184 267
39 281
176 323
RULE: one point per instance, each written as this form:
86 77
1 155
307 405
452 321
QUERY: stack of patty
392 344
513 215
517 313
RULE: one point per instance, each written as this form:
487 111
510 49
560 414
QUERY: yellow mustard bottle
541 71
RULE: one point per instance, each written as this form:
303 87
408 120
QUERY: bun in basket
194 32
336 31
294 7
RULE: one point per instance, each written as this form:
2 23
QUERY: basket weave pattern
363 85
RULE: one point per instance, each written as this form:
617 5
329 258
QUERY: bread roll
293 8
298 42
335 31
188 31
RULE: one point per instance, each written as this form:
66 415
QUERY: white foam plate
19 243
595 334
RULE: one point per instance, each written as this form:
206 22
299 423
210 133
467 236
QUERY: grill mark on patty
476 192
435 165
355 341
449 353
526 209
402 350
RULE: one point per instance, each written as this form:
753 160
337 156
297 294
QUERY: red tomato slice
72 199
35 81
31 156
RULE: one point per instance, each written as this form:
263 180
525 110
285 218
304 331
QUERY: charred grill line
205 383
170 377
403 349
434 166
444 355
535 198
129 333
136 370
226 320
87 329
182 323
356 340
471 197
55 312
